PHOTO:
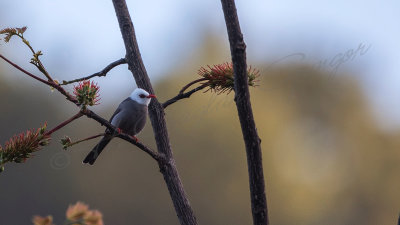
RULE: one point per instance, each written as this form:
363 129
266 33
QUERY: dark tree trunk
156 113
398 221
243 104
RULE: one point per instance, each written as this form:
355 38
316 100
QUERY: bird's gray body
130 118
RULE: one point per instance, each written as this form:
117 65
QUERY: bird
129 117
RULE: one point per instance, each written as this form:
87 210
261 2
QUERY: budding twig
66 141
19 32
36 61
218 78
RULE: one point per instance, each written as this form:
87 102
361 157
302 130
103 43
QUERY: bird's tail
92 156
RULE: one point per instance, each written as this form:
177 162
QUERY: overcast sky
80 37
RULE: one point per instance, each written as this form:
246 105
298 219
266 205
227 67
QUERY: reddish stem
52 84
61 125
26 72
89 138
86 139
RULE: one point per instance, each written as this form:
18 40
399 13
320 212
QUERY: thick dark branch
243 104
156 113
98 74
182 95
398 221
159 157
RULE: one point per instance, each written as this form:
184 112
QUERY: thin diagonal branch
61 125
102 73
49 83
182 95
67 145
24 71
126 137
242 98
155 155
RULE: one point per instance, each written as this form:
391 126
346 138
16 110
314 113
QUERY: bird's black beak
151 96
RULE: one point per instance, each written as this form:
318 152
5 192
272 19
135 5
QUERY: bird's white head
141 96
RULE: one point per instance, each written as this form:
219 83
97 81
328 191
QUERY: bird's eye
142 95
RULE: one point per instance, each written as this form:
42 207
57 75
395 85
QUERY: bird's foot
135 138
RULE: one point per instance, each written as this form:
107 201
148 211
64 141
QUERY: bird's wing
138 117
130 117
118 110
115 113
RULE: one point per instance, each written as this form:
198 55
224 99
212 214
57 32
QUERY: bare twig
182 95
102 73
243 104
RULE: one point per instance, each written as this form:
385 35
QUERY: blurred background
326 110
